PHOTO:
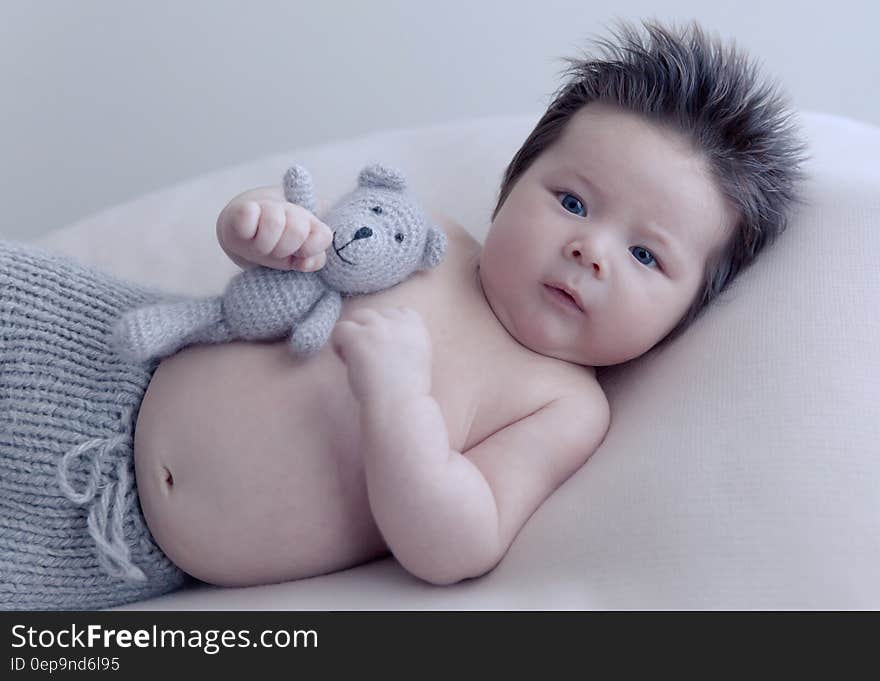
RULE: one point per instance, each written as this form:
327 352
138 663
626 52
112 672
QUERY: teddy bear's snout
363 233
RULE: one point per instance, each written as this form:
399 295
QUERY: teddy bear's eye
377 210
398 237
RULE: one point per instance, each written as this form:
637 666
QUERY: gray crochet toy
380 237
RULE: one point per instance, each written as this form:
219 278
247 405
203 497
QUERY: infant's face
588 217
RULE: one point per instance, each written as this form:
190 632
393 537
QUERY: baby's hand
387 353
273 233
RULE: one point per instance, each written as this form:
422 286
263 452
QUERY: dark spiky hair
712 94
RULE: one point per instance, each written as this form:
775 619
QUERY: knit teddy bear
381 236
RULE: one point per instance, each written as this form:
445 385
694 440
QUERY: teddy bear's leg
313 331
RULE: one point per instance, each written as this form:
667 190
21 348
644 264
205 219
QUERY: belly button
167 479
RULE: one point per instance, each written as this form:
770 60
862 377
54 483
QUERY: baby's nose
577 251
363 233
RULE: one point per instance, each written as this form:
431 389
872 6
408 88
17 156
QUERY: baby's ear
435 248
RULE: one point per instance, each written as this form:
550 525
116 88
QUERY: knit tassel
106 510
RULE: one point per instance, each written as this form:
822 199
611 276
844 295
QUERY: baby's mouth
564 297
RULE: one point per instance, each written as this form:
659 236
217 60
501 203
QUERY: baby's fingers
270 228
244 218
293 234
401 313
310 264
342 336
318 240
365 315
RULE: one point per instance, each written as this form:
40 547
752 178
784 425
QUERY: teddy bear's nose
363 233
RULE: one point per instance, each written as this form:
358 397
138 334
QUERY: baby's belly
248 468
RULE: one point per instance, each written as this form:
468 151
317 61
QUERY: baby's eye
377 210
573 204
644 256
398 237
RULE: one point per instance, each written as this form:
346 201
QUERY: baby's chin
586 352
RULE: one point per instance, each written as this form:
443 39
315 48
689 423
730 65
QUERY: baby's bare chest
280 406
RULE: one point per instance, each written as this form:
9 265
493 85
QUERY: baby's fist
276 234
387 353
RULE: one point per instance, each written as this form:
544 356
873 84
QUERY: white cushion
742 467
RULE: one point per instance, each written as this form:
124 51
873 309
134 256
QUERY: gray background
105 100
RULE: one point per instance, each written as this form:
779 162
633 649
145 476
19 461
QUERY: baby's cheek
628 336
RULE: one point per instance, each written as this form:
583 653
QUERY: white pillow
742 467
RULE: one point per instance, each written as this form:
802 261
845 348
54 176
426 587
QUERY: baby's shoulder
458 235
577 384
581 413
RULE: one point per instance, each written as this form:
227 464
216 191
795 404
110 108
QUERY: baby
445 410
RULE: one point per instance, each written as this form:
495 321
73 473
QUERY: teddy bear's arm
311 333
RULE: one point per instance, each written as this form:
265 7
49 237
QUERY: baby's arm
448 515
259 227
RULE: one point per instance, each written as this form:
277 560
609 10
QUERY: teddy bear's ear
435 248
377 175
298 188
